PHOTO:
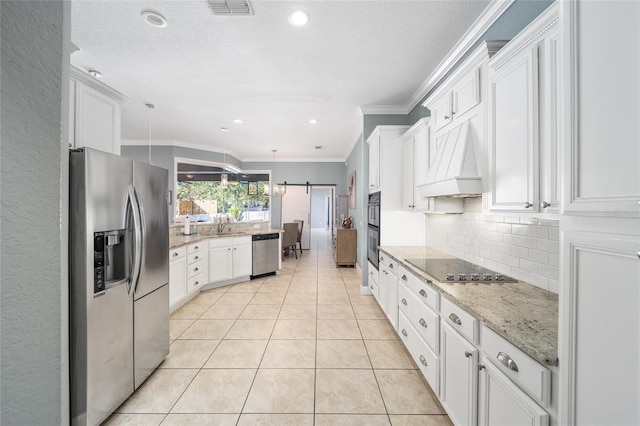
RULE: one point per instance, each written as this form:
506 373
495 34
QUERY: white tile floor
299 348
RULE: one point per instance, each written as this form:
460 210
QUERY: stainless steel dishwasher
266 254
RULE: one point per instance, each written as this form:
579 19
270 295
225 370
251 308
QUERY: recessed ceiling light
298 18
224 129
313 121
154 19
95 73
237 121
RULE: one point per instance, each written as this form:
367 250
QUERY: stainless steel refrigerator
119 275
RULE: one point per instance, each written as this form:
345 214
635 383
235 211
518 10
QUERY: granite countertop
181 240
525 315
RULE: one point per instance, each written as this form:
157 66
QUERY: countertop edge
543 357
176 241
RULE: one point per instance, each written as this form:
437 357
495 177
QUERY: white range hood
453 173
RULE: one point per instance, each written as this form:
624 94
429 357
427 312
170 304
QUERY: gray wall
318 211
32 73
358 161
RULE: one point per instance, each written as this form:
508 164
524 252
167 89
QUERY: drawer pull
391 266
175 254
507 361
404 332
195 269
404 277
453 317
382 258
196 248
196 283
404 301
468 354
423 322
371 287
429 281
423 361
196 257
480 367
422 293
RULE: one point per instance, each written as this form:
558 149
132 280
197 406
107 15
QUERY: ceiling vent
230 7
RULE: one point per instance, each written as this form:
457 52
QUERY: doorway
314 205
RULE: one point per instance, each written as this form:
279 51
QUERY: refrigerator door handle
137 248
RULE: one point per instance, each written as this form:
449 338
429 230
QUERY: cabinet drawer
219 242
422 318
195 257
460 320
534 378
425 358
196 268
238 241
425 294
373 272
177 252
389 264
195 282
196 247
373 287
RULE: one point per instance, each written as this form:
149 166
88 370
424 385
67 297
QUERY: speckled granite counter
525 315
181 240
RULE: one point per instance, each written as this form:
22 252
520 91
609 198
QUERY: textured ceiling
203 71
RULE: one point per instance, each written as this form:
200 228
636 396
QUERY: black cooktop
458 271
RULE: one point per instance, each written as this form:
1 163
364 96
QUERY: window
200 192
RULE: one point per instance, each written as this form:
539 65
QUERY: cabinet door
97 120
374 163
441 111
242 260
408 185
600 327
383 289
513 135
220 264
466 93
421 163
458 383
177 280
392 300
550 95
502 403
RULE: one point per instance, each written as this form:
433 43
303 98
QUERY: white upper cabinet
441 110
602 92
94 114
415 165
374 162
466 93
523 120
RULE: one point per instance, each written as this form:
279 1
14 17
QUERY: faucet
221 224
221 227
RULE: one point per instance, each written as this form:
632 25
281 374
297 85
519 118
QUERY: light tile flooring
299 348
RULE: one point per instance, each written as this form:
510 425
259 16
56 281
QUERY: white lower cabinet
229 258
502 403
177 275
388 288
425 358
458 383
197 264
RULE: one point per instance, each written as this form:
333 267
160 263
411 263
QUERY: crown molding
488 17
82 76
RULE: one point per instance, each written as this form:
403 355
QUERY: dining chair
290 238
300 225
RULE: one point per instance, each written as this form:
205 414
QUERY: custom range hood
453 172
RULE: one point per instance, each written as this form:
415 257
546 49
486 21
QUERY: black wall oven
373 228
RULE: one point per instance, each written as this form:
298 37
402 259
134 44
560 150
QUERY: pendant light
274 189
149 107
224 177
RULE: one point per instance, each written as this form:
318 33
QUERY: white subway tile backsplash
522 247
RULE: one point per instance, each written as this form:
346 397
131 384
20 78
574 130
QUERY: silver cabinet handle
423 361
545 204
175 254
404 301
382 258
404 332
429 281
196 248
468 354
196 257
404 277
446 117
391 266
527 205
229 249
422 293
639 254
371 287
507 361
480 367
196 283
456 319
195 269
385 272
423 322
